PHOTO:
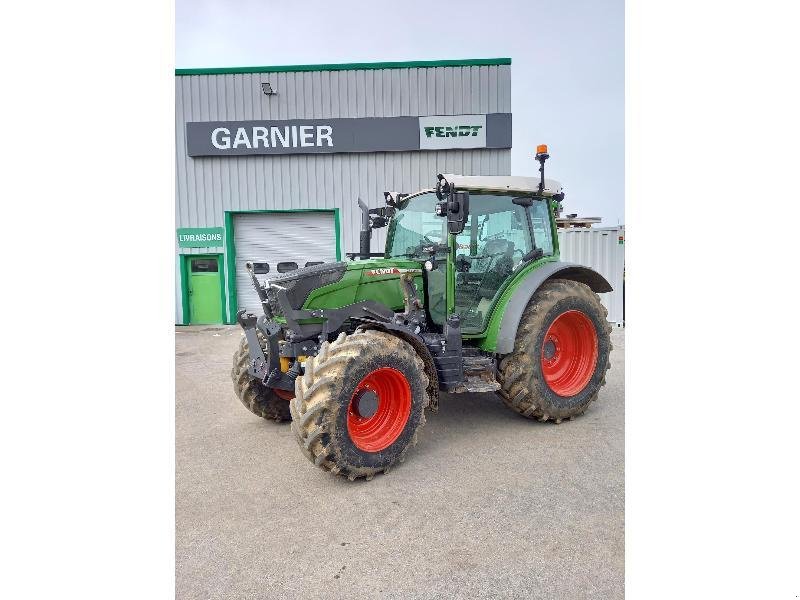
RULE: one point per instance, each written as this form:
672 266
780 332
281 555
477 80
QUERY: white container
602 249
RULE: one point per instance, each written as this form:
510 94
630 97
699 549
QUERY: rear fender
507 332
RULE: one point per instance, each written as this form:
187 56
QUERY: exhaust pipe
365 237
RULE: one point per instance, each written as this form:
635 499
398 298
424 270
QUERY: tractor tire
360 404
561 353
257 398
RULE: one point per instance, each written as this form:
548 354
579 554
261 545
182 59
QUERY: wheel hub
569 353
379 409
365 404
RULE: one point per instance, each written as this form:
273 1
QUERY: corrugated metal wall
600 249
207 187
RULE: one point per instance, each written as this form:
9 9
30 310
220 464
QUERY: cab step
478 385
479 371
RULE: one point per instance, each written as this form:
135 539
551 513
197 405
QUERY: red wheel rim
569 353
284 394
375 431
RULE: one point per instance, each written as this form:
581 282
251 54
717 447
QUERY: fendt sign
459 131
370 134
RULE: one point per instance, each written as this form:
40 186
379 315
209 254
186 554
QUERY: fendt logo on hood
454 131
391 271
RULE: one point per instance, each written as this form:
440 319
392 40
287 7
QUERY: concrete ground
487 505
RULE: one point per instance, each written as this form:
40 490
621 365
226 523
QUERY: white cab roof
503 183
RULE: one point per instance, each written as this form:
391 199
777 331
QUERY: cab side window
540 220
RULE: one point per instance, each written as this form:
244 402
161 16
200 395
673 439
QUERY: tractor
469 295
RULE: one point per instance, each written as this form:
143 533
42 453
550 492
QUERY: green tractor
468 296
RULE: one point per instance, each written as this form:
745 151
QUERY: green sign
200 237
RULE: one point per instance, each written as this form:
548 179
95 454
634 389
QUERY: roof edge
467 62
503 183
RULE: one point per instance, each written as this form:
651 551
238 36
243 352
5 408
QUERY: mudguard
507 333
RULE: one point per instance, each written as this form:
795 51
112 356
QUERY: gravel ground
487 505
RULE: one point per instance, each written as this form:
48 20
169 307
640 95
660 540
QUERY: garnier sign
200 237
369 134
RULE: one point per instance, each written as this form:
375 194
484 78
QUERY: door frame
186 274
230 249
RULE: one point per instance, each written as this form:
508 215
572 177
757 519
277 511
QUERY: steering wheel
482 256
496 236
419 249
436 233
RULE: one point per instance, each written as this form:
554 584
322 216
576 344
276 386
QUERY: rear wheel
360 403
260 400
561 353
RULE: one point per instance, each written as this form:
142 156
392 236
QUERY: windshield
415 229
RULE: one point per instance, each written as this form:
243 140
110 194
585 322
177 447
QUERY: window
260 268
416 227
540 221
490 248
204 265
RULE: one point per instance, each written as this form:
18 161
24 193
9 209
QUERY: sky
567 69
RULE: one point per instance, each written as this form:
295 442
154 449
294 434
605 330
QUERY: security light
267 88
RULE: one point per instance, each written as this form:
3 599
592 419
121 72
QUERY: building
271 161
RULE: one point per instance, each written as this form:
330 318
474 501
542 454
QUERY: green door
205 290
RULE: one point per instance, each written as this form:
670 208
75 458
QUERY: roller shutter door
279 237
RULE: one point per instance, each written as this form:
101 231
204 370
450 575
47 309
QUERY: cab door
204 289
487 252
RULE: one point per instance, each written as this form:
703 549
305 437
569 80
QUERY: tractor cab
506 223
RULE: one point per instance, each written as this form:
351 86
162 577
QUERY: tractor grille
300 283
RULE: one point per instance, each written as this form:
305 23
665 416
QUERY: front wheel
267 403
360 403
561 353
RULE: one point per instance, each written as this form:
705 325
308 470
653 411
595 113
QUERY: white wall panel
599 248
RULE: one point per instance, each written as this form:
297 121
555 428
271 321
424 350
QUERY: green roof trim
412 64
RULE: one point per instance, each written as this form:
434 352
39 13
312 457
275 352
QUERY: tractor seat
498 269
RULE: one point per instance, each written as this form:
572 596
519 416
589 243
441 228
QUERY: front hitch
265 368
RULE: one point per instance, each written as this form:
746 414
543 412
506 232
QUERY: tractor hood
301 282
374 279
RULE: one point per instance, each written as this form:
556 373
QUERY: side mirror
456 209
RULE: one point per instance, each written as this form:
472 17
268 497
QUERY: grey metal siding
207 187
